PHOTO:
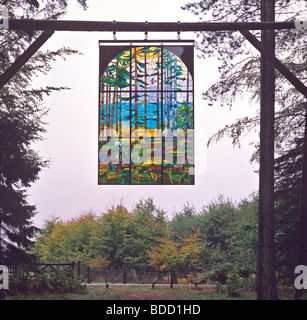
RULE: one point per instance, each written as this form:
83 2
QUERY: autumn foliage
219 236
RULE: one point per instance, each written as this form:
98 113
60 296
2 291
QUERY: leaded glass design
146 114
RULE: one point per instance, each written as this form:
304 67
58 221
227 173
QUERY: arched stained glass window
146 114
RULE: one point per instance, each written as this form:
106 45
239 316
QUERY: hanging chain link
178 32
114 32
146 32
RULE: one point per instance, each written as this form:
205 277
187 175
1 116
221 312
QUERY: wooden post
124 276
265 273
88 275
73 269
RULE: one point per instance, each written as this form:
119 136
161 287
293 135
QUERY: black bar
70 25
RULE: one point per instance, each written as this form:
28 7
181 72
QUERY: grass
145 292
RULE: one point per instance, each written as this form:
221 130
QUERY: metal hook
178 32
146 31
114 32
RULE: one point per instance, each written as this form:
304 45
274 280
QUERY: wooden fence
127 275
17 270
89 275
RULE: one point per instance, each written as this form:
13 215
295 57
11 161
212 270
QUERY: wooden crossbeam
49 26
68 25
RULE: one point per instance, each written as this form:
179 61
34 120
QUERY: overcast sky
69 186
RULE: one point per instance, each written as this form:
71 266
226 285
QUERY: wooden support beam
67 25
265 266
275 62
24 58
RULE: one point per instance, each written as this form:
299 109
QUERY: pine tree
21 125
240 73
288 174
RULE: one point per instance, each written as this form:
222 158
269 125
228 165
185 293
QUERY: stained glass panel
146 114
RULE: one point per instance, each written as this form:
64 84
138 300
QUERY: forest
215 244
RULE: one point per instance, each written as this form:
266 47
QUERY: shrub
20 280
39 281
61 280
19 284
217 275
241 285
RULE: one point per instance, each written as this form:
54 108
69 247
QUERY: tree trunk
173 277
2 293
266 258
301 258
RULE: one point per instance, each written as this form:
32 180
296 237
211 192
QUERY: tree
51 247
266 256
114 235
72 240
184 223
117 237
190 251
165 256
239 69
78 238
217 219
149 226
39 249
99 262
239 73
169 255
288 186
21 125
302 223
125 237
